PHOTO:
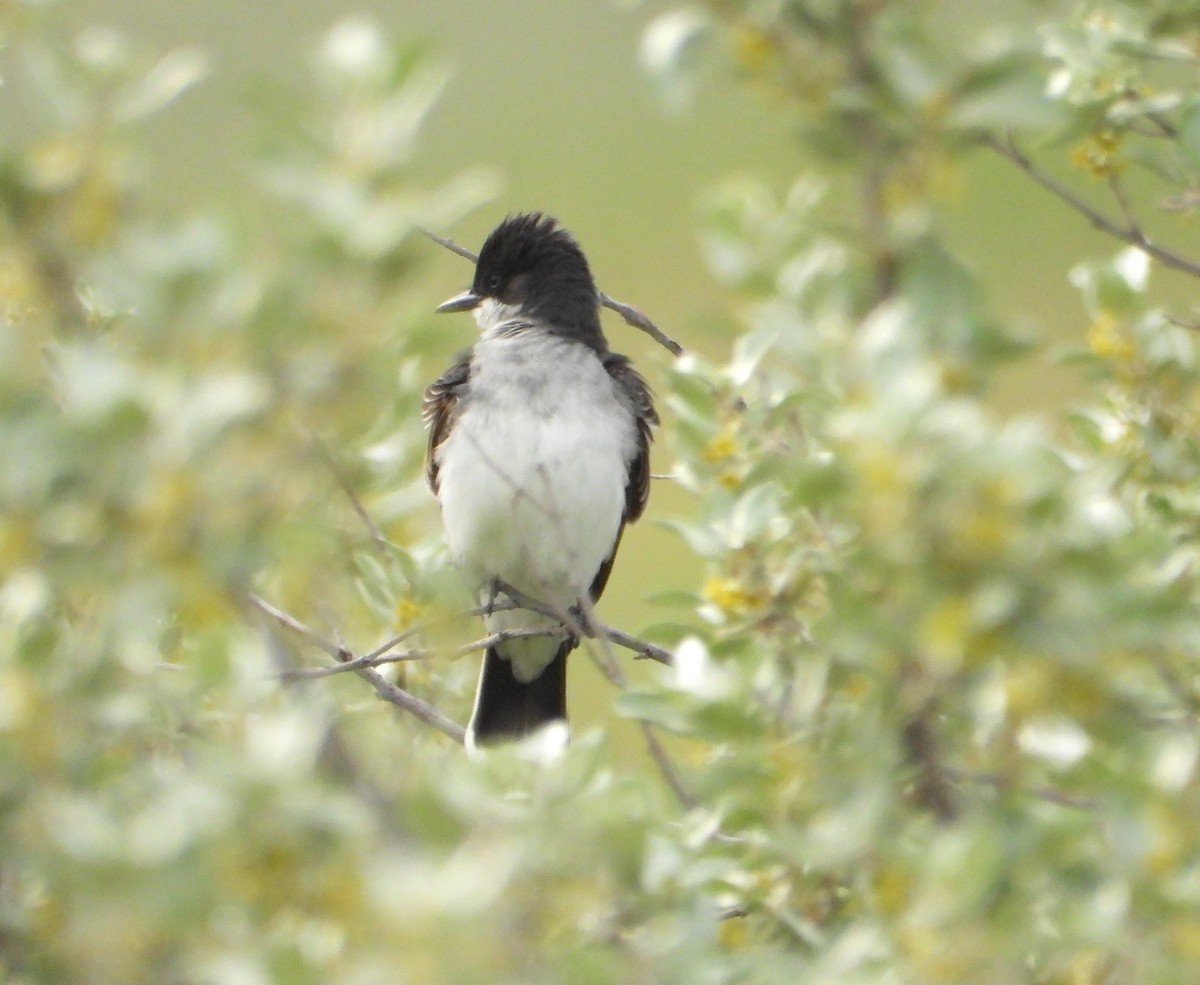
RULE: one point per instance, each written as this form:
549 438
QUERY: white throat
491 314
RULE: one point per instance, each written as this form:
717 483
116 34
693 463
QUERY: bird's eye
494 283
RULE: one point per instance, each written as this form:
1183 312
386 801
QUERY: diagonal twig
1130 233
1052 795
386 690
296 626
326 454
363 666
633 316
611 669
643 649
589 626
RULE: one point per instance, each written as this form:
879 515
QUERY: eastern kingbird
539 454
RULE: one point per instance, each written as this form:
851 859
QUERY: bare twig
386 690
611 669
874 154
1163 127
380 541
638 319
349 663
449 244
364 665
667 768
1191 324
1178 689
1122 199
379 656
590 627
296 626
333 753
1130 233
633 316
644 649
423 710
534 605
1049 794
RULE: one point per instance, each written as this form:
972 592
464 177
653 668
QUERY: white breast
532 478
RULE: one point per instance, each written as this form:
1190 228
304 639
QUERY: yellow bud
94 207
1105 339
1099 154
729 595
753 47
732 933
1184 935
892 889
945 631
406 612
720 448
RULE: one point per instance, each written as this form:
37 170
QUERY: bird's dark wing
635 394
439 409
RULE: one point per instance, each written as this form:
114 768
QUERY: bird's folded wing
634 391
439 409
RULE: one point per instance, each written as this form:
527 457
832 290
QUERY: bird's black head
533 268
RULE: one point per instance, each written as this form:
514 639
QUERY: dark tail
507 709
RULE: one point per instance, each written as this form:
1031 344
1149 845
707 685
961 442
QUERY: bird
538 455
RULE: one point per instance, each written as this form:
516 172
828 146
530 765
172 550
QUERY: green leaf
1003 95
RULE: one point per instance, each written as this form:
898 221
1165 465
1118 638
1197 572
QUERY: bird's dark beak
467 301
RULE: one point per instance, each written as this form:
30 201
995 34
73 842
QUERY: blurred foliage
936 692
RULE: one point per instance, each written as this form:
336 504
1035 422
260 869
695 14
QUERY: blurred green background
551 96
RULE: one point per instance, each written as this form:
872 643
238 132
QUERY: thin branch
533 605
423 710
612 670
449 244
640 320
1126 207
339 653
386 690
1130 233
1049 794
667 768
1178 689
1191 324
333 753
584 625
643 648
589 627
874 154
380 541
1166 127
1163 126
633 316
379 657
606 660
